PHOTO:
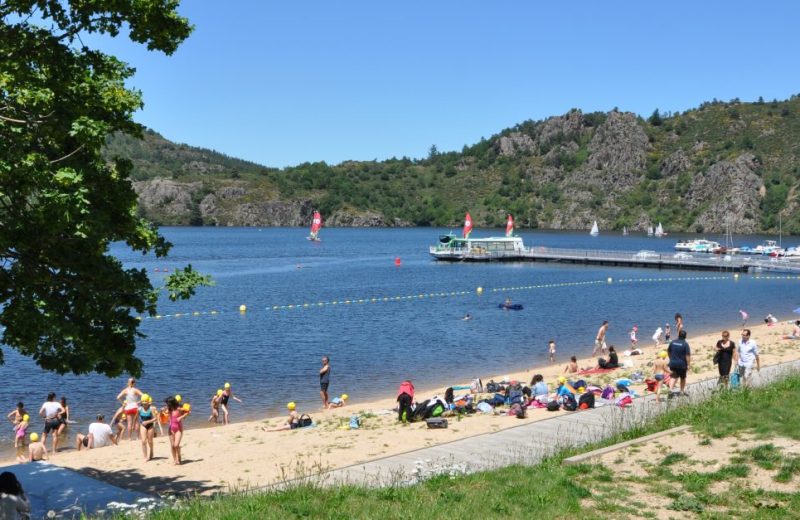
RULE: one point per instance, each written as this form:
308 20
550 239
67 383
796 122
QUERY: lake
272 356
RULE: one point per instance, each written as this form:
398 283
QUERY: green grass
551 490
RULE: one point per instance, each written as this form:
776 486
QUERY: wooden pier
636 259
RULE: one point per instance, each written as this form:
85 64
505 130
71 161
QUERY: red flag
510 226
467 226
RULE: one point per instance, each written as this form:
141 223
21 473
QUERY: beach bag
515 396
437 410
305 420
716 358
651 384
735 381
355 422
420 410
569 403
586 399
436 423
553 406
608 392
492 387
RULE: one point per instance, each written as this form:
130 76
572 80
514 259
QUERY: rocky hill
723 164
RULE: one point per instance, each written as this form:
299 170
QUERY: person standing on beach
680 358
129 397
551 347
659 372
324 380
657 337
747 354
51 412
223 402
405 396
724 357
678 323
600 339
667 333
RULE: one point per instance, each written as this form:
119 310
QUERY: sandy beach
241 455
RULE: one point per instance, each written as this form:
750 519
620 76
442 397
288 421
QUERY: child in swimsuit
20 428
147 421
215 402
176 417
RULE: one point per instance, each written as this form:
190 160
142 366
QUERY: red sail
316 223
467 226
510 226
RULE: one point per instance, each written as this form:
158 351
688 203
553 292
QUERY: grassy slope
550 489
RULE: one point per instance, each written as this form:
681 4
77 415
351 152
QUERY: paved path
528 443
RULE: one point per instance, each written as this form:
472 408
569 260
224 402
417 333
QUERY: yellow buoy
610 279
479 290
243 308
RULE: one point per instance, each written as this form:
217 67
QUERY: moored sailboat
595 230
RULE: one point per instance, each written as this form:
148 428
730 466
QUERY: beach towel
484 407
595 371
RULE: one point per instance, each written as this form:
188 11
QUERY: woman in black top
724 357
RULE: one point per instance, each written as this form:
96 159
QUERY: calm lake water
272 357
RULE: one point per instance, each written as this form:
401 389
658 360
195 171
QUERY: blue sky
282 83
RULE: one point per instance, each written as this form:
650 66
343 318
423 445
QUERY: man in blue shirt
680 357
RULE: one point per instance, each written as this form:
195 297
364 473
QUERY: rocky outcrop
620 146
728 193
514 143
675 164
166 197
349 218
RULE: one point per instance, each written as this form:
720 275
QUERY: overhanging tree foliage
66 302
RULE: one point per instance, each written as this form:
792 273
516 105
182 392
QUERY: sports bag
305 420
553 406
436 422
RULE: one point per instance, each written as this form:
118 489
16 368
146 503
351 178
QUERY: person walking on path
747 354
600 339
680 359
324 381
724 357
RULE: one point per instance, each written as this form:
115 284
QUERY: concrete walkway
525 444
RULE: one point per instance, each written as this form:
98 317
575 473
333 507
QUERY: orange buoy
397 261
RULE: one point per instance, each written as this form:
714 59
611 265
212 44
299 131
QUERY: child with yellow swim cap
215 403
20 427
36 450
337 402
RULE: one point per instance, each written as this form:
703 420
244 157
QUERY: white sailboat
624 231
659 231
649 231
595 230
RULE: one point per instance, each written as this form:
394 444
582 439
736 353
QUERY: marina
512 249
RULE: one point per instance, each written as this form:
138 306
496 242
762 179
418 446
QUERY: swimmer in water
466 317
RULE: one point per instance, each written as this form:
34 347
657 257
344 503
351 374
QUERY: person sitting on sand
292 421
770 320
100 435
36 450
613 359
538 386
572 366
337 402
795 331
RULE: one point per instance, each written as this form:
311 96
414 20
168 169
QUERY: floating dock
634 259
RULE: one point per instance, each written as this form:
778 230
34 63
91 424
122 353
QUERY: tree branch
73 152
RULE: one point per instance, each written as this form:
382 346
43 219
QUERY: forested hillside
723 163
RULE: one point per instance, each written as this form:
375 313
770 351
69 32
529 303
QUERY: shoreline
241 455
